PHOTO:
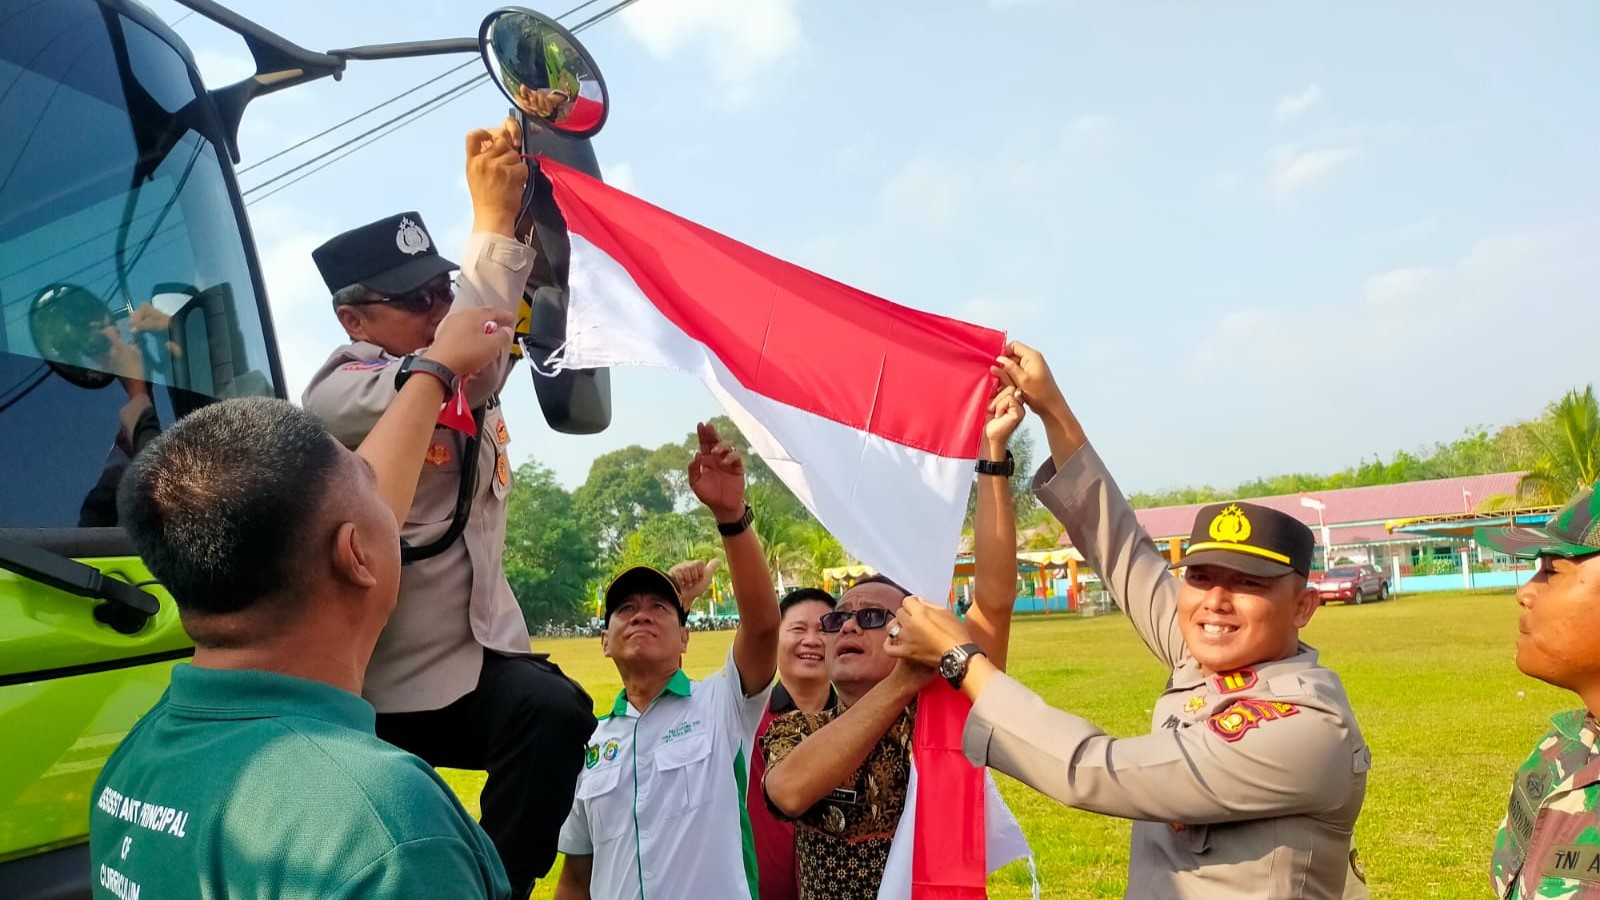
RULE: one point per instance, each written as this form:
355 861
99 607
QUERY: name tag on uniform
842 795
1577 861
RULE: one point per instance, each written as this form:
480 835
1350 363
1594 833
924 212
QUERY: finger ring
894 633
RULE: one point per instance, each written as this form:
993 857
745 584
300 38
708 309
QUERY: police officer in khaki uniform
1251 778
453 678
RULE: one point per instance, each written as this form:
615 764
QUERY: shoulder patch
1233 682
1241 716
365 365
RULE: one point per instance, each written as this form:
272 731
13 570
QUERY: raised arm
994 536
496 266
716 475
466 340
1075 486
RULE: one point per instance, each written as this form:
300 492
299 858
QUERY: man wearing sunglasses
1547 846
453 678
843 775
1252 775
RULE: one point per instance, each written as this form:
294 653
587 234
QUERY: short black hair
220 504
805 595
877 578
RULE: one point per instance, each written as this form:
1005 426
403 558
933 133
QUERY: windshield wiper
126 608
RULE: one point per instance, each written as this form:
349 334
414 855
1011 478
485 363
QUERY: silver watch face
950 663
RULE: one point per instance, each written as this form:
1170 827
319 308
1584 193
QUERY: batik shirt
1548 846
841 844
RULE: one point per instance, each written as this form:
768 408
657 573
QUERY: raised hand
471 337
1023 368
496 174
716 475
922 632
1005 414
693 578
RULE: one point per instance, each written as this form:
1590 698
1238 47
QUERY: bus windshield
127 294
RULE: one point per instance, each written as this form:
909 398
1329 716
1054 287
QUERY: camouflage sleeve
1256 758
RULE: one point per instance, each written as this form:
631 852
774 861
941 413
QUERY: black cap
1252 539
390 256
643 580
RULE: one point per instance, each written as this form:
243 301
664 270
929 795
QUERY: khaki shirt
454 604
1248 784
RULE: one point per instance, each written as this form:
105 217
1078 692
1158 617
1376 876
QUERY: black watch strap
1007 467
953 666
415 363
732 529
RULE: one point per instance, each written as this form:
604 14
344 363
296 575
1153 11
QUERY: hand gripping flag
870 412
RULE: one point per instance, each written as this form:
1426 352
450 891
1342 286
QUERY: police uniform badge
411 239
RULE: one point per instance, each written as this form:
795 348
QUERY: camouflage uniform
1548 846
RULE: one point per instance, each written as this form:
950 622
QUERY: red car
1355 584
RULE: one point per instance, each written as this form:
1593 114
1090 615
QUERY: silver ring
894 633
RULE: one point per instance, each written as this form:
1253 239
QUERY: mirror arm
408 49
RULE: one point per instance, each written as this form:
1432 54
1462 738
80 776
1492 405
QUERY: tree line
635 506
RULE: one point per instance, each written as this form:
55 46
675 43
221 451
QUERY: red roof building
1355 517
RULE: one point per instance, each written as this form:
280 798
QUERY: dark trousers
526 725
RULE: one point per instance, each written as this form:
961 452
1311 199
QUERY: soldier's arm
1284 759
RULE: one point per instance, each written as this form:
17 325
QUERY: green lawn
1431 678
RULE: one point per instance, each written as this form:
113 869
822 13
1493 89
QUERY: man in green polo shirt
258 774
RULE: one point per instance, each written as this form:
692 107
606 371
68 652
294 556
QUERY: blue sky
1251 238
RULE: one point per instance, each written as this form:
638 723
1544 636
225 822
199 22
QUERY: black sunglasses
868 617
418 301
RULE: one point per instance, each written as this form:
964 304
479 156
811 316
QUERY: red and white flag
936 853
870 412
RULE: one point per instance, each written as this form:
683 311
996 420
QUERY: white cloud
1293 105
740 39
1441 323
1295 169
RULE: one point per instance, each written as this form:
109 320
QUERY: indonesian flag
936 853
870 412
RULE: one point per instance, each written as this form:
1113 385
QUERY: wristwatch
737 527
1006 467
415 363
953 664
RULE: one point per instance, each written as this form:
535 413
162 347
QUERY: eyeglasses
418 301
867 617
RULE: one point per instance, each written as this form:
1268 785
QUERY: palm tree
1568 443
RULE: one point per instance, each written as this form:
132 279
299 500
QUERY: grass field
1445 711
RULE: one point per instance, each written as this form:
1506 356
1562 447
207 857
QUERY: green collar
678 685
202 693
